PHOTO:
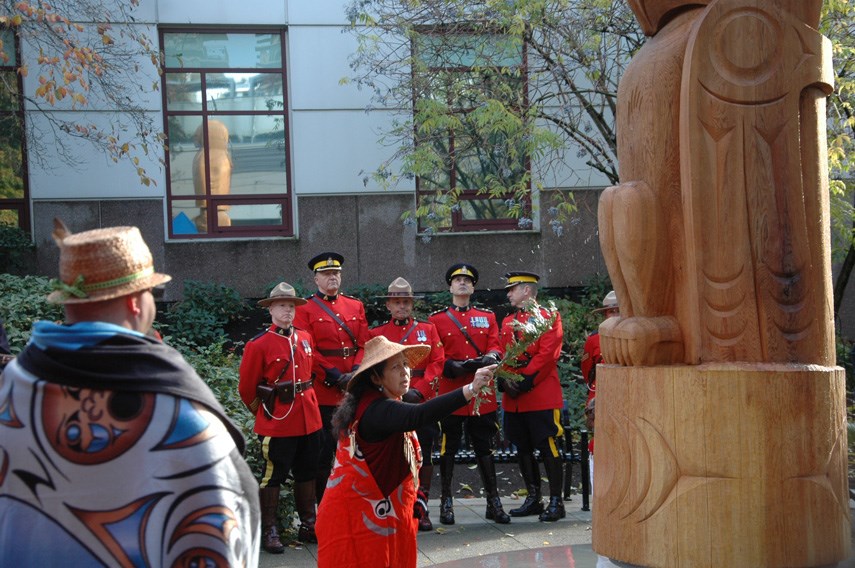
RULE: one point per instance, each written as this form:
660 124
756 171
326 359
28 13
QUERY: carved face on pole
653 15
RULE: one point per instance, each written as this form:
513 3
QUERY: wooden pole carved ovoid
721 437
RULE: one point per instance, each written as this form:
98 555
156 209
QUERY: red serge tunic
366 516
482 328
333 345
591 357
264 358
540 360
417 332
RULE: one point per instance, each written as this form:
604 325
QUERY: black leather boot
425 475
269 498
321 484
555 474
495 512
531 477
446 503
304 499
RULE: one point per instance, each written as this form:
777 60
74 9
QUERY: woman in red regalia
366 515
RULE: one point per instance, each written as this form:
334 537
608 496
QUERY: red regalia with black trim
333 345
425 375
541 360
268 358
381 528
482 328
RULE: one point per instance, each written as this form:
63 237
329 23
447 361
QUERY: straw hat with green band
379 349
102 264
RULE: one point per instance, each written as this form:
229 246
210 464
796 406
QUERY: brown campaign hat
610 302
379 349
400 288
102 264
282 291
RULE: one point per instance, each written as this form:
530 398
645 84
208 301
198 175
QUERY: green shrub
201 316
14 244
23 302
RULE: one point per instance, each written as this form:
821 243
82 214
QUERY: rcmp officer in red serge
276 384
470 337
338 325
406 330
532 407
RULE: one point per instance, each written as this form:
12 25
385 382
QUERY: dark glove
420 506
343 380
527 383
491 358
453 369
508 387
412 396
332 377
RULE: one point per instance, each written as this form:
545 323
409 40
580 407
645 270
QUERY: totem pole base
721 465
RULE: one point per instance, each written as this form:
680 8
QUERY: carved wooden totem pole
721 438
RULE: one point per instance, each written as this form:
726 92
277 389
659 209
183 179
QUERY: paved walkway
474 542
525 542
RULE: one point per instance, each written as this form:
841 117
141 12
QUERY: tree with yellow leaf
80 55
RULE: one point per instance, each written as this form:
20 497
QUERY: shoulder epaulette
350 297
480 309
438 311
259 335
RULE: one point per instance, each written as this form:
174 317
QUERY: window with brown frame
225 109
473 171
14 202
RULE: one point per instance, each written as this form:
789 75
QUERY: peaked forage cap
102 264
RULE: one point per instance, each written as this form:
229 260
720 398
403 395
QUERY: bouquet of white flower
525 335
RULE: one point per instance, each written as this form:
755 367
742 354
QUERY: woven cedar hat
515 278
609 302
102 264
282 291
379 349
400 288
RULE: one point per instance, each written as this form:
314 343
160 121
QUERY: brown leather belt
417 373
343 352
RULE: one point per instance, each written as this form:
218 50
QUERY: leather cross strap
337 320
464 332
409 331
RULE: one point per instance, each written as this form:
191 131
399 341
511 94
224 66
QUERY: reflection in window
474 171
14 206
226 122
